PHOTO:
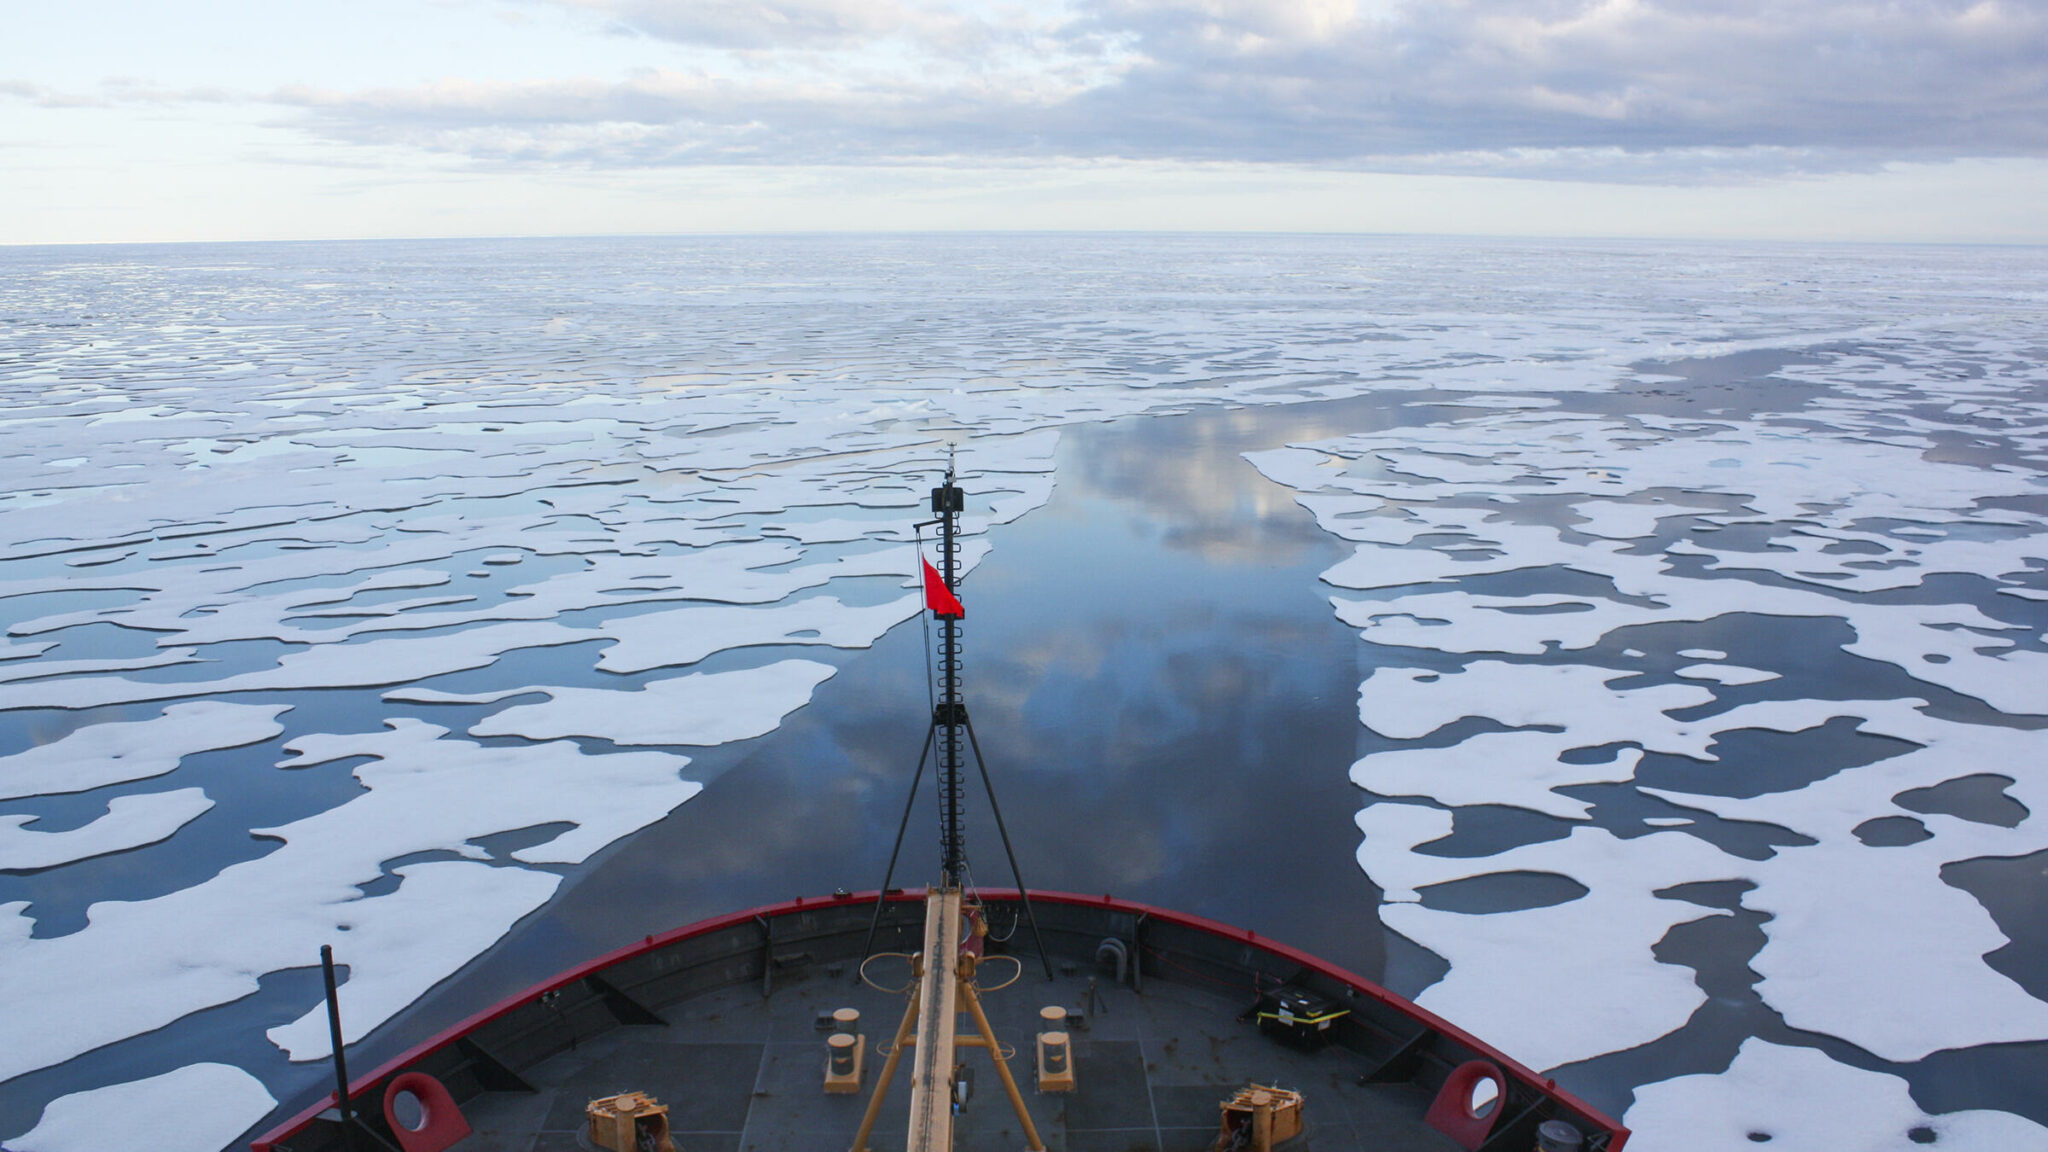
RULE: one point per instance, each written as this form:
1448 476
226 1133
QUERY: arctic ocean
1632 652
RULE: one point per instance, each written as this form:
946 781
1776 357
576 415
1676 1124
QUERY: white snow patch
1730 674
116 753
1836 903
437 696
404 943
1626 520
130 822
138 965
1521 978
1802 1100
197 1108
687 635
699 708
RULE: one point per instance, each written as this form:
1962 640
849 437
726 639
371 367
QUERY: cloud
1641 75
1616 90
118 92
753 24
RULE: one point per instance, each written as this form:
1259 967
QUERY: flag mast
943 971
950 722
949 716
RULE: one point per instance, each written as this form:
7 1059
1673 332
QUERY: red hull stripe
268 1141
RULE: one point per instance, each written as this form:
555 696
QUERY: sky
1859 120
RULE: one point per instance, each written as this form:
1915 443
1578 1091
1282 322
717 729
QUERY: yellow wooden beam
931 1077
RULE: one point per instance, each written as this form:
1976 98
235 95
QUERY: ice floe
1800 1100
1526 973
687 635
197 1108
131 822
141 964
1729 674
1524 767
122 751
1516 548
697 708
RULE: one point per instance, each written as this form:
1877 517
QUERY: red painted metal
269 1140
441 1120
1451 1112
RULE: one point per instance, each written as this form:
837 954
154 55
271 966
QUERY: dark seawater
1167 705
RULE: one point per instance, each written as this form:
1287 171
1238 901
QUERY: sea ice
1555 708
115 753
1800 1100
368 664
197 1108
687 635
1409 500
138 965
1628 520
131 822
1521 978
281 480
1838 901
1729 674
697 708
399 946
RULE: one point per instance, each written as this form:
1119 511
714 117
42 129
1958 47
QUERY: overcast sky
224 119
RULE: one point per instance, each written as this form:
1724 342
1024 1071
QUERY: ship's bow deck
738 1071
719 1021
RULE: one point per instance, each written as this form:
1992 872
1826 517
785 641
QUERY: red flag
937 596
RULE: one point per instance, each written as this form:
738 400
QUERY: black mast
949 726
949 716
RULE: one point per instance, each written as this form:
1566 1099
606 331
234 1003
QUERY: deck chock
440 1121
493 1074
629 1122
623 1008
1403 1062
1462 1111
1259 1117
